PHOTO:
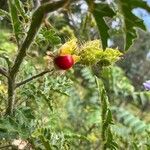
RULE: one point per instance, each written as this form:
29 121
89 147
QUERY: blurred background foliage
62 110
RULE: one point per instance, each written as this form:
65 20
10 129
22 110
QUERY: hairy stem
32 78
11 96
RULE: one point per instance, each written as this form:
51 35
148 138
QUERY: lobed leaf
4 13
130 21
100 11
15 19
20 8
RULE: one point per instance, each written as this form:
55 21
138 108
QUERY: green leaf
46 38
58 84
109 119
100 11
128 119
75 136
45 142
110 141
104 98
8 127
107 136
130 21
4 13
20 8
15 19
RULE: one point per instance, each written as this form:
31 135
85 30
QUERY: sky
144 15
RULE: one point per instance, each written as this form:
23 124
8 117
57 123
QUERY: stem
32 78
6 146
11 96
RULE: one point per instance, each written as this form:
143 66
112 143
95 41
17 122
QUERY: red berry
64 62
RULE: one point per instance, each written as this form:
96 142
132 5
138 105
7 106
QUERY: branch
2 147
36 22
32 78
3 72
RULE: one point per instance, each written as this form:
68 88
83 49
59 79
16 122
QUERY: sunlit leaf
100 11
130 21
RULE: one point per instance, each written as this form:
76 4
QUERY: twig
5 146
32 78
3 72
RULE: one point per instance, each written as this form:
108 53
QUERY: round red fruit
64 62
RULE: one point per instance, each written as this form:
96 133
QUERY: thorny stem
11 95
32 78
36 22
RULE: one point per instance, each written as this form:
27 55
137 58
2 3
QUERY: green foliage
4 13
141 97
47 38
16 23
128 119
106 116
69 109
17 126
130 21
20 8
89 80
100 11
131 129
58 84
120 85
51 140
48 139
6 46
118 82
